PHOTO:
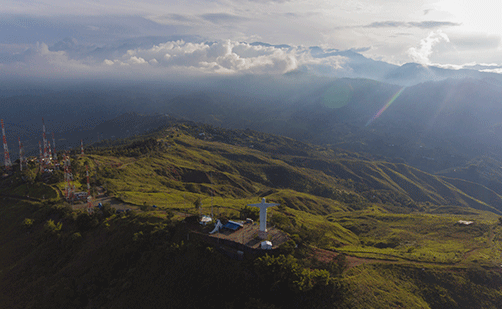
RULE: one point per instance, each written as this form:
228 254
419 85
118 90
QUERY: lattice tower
7 162
22 158
55 156
69 188
41 157
44 139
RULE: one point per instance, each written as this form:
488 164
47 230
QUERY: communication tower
68 177
41 158
44 138
55 156
7 163
81 148
22 159
49 151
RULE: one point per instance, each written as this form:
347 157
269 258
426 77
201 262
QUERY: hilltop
362 228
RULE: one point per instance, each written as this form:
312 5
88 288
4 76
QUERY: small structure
266 245
232 225
463 222
263 216
205 220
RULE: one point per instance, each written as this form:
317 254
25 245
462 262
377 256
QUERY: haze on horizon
53 39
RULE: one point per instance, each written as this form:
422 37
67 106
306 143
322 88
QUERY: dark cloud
218 18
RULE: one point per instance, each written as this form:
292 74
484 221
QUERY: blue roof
232 225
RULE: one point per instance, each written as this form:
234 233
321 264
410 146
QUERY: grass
325 196
322 194
396 218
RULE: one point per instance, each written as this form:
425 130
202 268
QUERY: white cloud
41 62
421 55
180 57
499 71
224 57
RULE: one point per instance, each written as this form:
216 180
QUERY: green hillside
367 233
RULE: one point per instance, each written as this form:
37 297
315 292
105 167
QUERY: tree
197 204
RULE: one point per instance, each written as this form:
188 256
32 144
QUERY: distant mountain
414 73
435 126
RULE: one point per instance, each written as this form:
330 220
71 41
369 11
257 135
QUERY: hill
362 227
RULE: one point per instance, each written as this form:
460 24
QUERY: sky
162 39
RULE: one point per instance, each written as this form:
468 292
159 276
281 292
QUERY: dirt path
353 261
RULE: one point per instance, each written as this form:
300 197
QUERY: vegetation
362 233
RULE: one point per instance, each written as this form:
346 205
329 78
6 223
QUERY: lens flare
394 97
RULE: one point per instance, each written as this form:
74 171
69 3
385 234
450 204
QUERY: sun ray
394 97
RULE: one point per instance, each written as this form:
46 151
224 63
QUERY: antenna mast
40 150
49 150
44 138
7 162
81 148
22 159
68 177
55 156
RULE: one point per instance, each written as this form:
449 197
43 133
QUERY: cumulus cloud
227 57
180 57
421 54
40 61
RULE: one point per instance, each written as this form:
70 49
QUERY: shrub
76 236
52 228
28 223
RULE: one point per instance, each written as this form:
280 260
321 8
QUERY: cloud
498 71
432 24
385 24
218 18
399 24
421 55
361 49
267 1
224 57
42 62
172 58
476 41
